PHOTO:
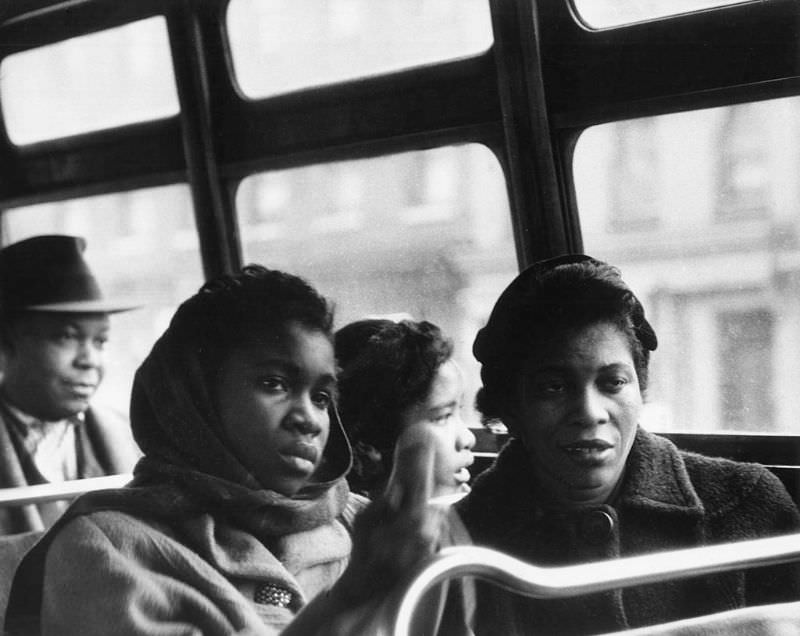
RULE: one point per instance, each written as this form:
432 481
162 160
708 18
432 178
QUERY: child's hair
386 367
233 310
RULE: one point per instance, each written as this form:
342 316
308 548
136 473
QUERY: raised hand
399 529
391 538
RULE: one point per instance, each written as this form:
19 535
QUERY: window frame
545 79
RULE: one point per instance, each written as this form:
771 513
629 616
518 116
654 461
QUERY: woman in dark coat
565 356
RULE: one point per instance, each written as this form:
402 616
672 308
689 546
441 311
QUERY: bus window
280 45
141 245
700 211
609 13
110 78
424 233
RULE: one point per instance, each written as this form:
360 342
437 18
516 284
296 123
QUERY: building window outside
743 169
635 190
431 188
264 198
344 204
745 368
720 257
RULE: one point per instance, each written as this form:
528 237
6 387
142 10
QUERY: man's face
54 362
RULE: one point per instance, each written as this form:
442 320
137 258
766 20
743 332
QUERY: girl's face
440 413
273 396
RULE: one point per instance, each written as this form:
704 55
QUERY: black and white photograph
399 317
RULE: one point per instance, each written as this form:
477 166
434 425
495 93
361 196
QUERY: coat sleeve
773 506
143 585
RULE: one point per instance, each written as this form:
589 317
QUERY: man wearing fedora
54 323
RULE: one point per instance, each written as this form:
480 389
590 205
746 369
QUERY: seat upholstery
12 548
780 619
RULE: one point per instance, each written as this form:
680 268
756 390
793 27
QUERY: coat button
597 527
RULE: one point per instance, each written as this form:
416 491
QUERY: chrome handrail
572 580
40 493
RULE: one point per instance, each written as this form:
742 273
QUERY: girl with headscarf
239 513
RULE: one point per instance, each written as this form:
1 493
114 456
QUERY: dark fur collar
656 479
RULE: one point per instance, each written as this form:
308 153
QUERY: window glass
102 80
635 207
743 178
425 235
746 389
607 13
283 45
141 246
713 251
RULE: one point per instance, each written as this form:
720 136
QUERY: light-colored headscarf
188 469
176 424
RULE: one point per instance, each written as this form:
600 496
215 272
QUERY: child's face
440 413
273 399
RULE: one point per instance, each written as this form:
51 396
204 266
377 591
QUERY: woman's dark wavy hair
236 309
386 367
547 302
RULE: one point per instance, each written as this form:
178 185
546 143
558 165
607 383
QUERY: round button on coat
597 527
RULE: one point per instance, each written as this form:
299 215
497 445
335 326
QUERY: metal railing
573 580
41 493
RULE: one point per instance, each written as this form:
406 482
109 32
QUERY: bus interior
408 158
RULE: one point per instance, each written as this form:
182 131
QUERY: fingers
411 483
399 529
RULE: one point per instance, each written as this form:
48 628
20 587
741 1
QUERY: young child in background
399 388
398 379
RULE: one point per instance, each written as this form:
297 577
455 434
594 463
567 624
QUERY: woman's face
579 406
440 414
273 397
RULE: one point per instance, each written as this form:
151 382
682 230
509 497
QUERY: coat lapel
656 478
19 518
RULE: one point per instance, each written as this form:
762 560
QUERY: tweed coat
195 576
109 439
669 499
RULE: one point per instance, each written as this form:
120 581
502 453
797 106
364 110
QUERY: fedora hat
49 273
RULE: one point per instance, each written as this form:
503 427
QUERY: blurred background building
699 210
